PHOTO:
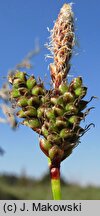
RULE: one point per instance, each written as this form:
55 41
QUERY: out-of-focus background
23 167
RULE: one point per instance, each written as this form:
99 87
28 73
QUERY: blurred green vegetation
17 188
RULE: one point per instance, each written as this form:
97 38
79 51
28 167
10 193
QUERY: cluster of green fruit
54 114
61 127
27 94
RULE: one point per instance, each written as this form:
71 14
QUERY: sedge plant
55 114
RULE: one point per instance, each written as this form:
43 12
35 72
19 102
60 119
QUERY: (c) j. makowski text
41 207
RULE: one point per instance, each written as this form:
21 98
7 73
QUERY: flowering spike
62 42
56 113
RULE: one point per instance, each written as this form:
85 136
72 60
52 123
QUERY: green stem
55 181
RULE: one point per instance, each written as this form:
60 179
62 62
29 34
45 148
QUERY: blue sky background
21 22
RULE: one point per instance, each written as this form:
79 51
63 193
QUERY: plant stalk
55 181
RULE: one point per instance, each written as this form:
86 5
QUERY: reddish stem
55 181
